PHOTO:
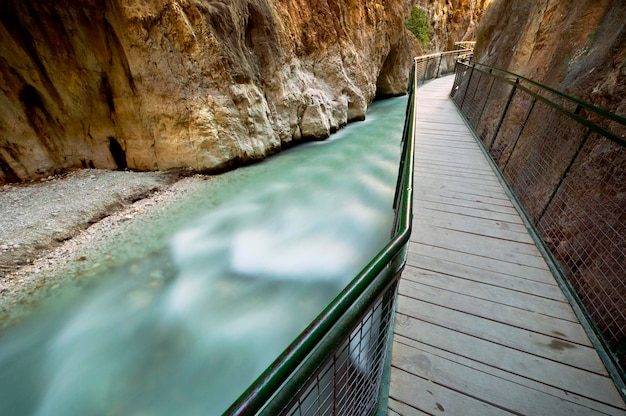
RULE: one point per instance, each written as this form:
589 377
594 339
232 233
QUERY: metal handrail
430 66
348 307
512 78
466 44
545 144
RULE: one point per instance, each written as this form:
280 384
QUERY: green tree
419 25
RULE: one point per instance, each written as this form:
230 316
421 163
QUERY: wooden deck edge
593 332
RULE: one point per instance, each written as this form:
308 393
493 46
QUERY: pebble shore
44 224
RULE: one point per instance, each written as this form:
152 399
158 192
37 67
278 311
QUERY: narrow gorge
206 85
201 84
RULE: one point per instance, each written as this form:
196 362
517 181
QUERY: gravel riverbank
43 224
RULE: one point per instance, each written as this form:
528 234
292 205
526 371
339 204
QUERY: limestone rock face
576 46
206 84
452 21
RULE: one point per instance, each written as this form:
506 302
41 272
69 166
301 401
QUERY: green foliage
419 25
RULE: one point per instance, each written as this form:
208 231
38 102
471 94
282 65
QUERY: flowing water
209 293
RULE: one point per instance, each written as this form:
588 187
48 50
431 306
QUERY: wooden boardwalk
482 327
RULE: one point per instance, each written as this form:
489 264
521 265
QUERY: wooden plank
456 144
417 251
468 167
434 399
423 158
459 145
521 339
479 226
558 375
488 247
437 157
462 153
428 194
426 187
396 408
459 239
518 394
498 198
473 274
521 300
443 128
447 179
520 318
431 180
464 200
452 174
450 124
427 160
423 205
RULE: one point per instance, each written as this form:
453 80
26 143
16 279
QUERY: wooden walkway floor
482 327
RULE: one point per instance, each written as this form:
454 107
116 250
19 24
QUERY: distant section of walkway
482 327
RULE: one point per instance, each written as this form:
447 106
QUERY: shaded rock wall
197 83
576 46
452 21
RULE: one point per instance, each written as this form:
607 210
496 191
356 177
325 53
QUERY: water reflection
185 329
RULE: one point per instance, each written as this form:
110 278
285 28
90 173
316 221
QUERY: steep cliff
576 46
197 83
452 21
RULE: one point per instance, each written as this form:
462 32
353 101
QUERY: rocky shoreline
44 224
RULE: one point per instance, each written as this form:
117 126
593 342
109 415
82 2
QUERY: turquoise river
200 299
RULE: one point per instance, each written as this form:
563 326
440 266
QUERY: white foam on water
261 252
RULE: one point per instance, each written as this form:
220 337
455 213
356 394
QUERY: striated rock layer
452 21
576 46
157 84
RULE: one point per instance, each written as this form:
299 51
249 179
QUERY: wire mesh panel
585 227
543 146
435 65
565 161
349 380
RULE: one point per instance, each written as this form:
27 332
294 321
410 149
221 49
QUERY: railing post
565 173
439 66
530 110
469 81
506 109
482 110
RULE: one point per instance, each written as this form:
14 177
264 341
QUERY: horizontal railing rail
335 366
437 64
565 162
466 44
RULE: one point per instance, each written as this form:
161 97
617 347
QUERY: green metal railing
437 64
466 44
565 162
335 366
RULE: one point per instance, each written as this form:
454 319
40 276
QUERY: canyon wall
575 46
204 84
452 21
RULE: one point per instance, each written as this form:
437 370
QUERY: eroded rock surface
578 47
452 21
159 84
